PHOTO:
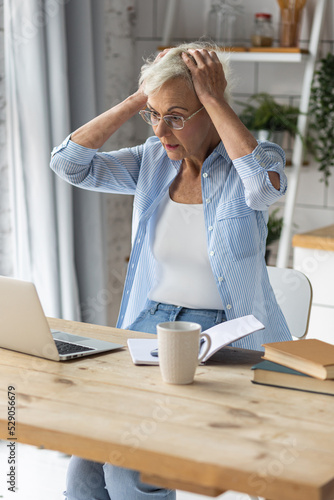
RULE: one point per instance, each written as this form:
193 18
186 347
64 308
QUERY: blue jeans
156 312
87 480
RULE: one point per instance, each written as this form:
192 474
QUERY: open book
221 335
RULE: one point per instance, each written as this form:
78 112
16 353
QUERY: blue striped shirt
236 196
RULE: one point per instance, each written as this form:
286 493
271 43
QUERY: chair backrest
293 293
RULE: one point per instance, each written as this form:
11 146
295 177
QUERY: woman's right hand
97 131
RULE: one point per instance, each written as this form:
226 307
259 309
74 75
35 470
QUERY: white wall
120 82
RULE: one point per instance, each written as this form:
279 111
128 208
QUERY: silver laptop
24 327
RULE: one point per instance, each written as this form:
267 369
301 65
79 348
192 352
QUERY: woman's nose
162 129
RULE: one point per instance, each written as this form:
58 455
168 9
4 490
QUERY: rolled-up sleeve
97 171
253 170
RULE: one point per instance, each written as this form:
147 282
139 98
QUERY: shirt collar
220 150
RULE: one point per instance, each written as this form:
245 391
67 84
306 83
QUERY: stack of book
306 365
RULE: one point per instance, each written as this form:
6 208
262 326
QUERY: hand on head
207 73
161 54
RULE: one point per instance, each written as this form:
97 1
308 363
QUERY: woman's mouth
171 147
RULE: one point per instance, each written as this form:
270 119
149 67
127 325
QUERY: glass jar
224 22
262 34
214 22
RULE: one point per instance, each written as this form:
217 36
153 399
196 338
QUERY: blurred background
64 61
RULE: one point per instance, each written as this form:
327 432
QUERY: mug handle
207 346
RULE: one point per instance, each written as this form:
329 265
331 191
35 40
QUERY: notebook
24 327
143 351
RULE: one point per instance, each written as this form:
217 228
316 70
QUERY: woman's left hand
210 84
207 74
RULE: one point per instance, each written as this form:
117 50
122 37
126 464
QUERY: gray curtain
53 54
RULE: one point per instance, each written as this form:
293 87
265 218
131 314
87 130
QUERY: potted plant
262 112
321 127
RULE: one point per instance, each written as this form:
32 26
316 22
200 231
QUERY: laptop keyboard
68 348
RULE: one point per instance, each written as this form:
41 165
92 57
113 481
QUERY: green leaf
322 115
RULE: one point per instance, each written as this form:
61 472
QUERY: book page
221 335
230 331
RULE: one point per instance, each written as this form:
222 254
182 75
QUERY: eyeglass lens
176 122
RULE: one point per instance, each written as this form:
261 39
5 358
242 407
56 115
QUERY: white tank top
184 275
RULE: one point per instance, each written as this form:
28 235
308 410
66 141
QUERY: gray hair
154 73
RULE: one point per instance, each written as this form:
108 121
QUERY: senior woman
202 186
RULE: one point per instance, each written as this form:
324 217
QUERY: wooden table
219 433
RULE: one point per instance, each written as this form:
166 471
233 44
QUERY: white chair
293 293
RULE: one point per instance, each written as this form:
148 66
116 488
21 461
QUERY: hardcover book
310 356
273 374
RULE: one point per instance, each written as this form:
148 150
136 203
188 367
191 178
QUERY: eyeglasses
172 121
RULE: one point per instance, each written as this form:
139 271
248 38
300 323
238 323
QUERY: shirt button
212 253
220 278
210 228
228 306
208 200
205 175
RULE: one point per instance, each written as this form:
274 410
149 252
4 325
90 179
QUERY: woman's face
198 138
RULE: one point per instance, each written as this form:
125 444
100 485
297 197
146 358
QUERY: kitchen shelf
263 54
270 54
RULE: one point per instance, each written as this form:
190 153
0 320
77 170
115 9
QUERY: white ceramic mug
178 347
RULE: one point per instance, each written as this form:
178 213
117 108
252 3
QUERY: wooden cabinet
313 254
